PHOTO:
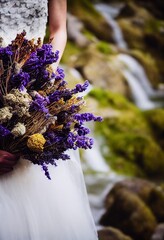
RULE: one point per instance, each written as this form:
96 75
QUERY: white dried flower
20 101
5 114
19 129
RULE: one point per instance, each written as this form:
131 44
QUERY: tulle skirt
35 208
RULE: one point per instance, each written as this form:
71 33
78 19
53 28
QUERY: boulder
75 33
86 12
110 233
155 118
102 70
151 194
127 212
132 148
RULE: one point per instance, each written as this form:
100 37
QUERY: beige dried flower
19 130
5 114
20 101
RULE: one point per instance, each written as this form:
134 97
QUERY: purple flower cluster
80 87
62 123
39 103
20 80
6 55
86 117
4 131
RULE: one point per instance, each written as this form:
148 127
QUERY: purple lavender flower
80 87
86 117
58 94
4 131
59 74
45 169
6 55
84 142
20 80
40 103
81 130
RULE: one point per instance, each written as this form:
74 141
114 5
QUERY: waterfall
138 82
142 91
100 182
109 13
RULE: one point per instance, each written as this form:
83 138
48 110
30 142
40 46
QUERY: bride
31 206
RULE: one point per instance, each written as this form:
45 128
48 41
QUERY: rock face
143 31
75 32
135 206
86 12
156 7
110 233
132 148
101 70
155 117
128 213
151 194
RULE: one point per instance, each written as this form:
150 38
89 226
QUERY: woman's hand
7 161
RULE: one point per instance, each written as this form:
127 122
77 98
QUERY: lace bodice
19 15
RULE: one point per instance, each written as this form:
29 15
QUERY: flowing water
142 91
98 175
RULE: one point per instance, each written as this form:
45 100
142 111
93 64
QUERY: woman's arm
57 10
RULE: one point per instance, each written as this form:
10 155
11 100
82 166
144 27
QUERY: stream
99 177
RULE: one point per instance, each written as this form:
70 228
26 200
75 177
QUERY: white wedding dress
31 206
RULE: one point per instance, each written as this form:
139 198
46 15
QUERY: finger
6 162
5 170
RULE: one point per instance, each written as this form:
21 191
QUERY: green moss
70 50
122 166
104 47
110 99
133 36
89 35
92 19
131 147
80 6
156 119
154 26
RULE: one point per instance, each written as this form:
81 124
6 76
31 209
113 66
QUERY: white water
102 178
138 82
100 182
134 73
109 13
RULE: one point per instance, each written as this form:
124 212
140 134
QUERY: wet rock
101 69
151 194
132 149
159 232
75 33
93 21
144 32
110 233
127 212
155 117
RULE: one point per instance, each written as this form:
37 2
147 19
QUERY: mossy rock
155 118
86 12
150 193
98 63
104 47
110 233
70 53
144 33
128 137
150 65
128 212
